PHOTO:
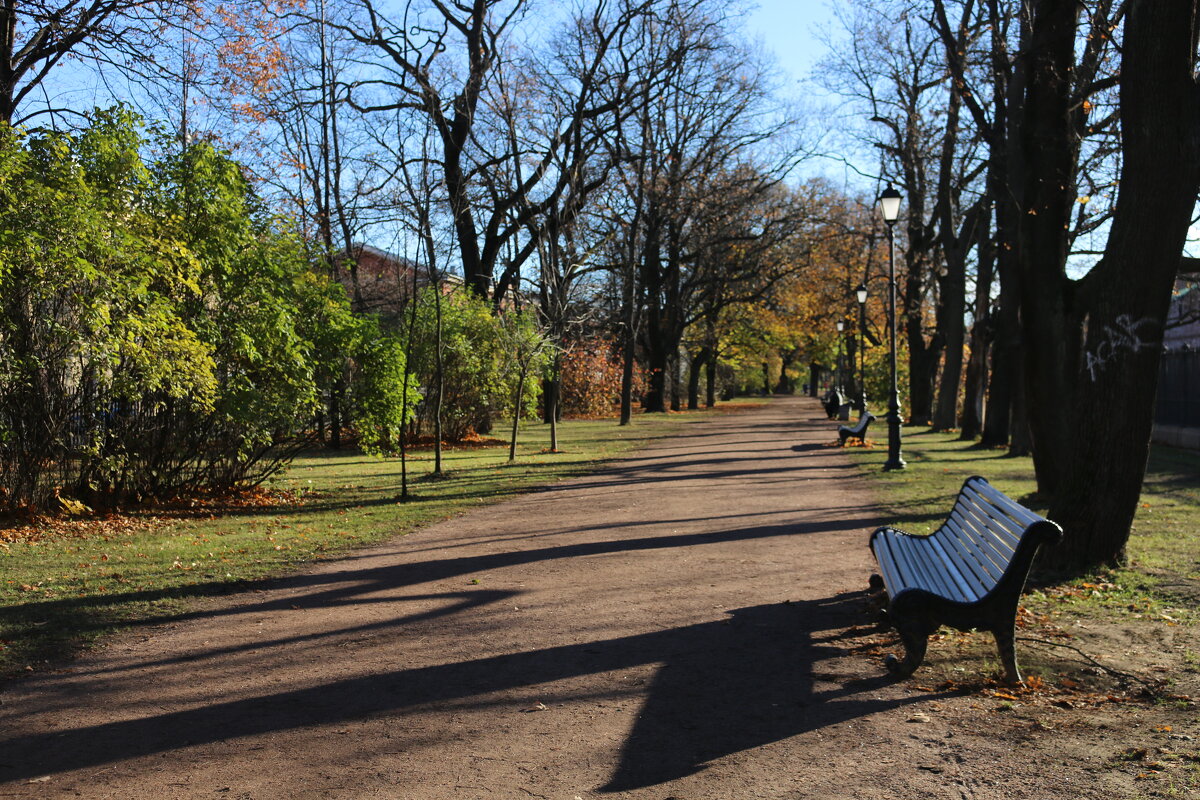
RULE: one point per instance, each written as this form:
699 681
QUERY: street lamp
861 294
889 207
841 326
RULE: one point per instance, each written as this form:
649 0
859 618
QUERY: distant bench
833 403
859 431
968 574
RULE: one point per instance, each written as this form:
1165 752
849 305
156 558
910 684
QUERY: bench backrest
990 536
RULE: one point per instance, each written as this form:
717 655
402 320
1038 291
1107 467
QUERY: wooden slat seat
968 574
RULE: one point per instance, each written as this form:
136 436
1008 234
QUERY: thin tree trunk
695 365
710 379
516 426
553 400
627 362
975 382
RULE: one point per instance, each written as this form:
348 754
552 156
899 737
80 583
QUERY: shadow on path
726 686
747 682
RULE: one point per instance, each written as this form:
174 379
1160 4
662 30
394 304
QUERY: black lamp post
861 294
889 207
840 378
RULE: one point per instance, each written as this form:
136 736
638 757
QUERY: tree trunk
1020 437
951 326
516 426
335 414
655 399
1049 152
1129 292
710 379
922 374
698 360
1006 360
629 351
676 381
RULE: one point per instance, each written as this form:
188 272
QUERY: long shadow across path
690 617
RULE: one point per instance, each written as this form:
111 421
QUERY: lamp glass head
861 293
841 325
889 204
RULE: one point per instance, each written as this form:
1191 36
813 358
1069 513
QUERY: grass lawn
66 583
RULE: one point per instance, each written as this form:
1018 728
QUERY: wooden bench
859 431
967 574
832 402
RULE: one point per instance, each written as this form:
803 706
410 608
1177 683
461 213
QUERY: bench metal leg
1005 641
915 637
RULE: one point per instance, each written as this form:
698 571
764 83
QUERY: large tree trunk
1129 292
1005 170
922 356
1049 152
952 327
922 375
676 381
655 399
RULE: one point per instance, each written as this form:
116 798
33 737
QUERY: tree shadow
725 686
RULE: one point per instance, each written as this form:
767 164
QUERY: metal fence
1179 388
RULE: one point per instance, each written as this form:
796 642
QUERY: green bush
480 361
160 332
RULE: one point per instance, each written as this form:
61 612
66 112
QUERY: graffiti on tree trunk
1121 337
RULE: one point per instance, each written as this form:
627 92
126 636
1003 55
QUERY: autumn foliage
591 378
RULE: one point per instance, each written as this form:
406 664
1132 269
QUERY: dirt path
680 625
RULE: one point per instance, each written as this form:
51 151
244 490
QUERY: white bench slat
922 561
968 581
950 582
995 497
925 575
1000 517
988 563
982 567
992 517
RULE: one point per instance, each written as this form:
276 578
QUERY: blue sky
788 28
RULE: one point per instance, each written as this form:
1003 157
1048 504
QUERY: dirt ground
688 623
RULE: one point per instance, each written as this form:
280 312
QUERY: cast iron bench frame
859 431
968 574
832 402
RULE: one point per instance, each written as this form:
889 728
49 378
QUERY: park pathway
686 623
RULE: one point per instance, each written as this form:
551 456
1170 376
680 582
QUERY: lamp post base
895 460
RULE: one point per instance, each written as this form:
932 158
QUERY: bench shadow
747 682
